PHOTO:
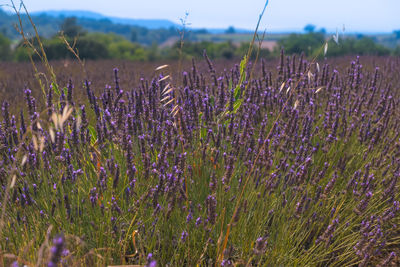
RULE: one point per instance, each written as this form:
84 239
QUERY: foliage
70 27
310 42
49 26
362 46
89 47
309 28
128 50
397 34
226 50
102 46
297 43
5 49
230 30
396 51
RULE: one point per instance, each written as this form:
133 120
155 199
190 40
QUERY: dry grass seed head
283 85
168 102
165 98
41 143
23 161
325 48
310 76
35 142
52 135
168 91
174 109
319 89
162 67
78 122
66 113
165 88
54 118
176 112
164 78
14 179
296 104
59 119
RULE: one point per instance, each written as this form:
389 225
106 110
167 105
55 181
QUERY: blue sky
356 15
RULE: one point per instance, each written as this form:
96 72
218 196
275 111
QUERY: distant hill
48 24
144 31
146 23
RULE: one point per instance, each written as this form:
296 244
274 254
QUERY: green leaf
93 134
212 100
243 65
230 84
55 87
237 105
203 131
65 89
237 92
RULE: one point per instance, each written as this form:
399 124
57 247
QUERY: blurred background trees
103 39
70 28
5 48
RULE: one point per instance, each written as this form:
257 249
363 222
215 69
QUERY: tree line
98 45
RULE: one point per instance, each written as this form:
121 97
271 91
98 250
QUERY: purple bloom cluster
56 251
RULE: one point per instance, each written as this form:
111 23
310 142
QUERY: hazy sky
356 15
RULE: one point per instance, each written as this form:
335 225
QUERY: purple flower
198 221
149 256
189 217
184 236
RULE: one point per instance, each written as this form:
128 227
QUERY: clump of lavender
388 260
260 245
204 167
56 250
328 234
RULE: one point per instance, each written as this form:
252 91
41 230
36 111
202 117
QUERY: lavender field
292 162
